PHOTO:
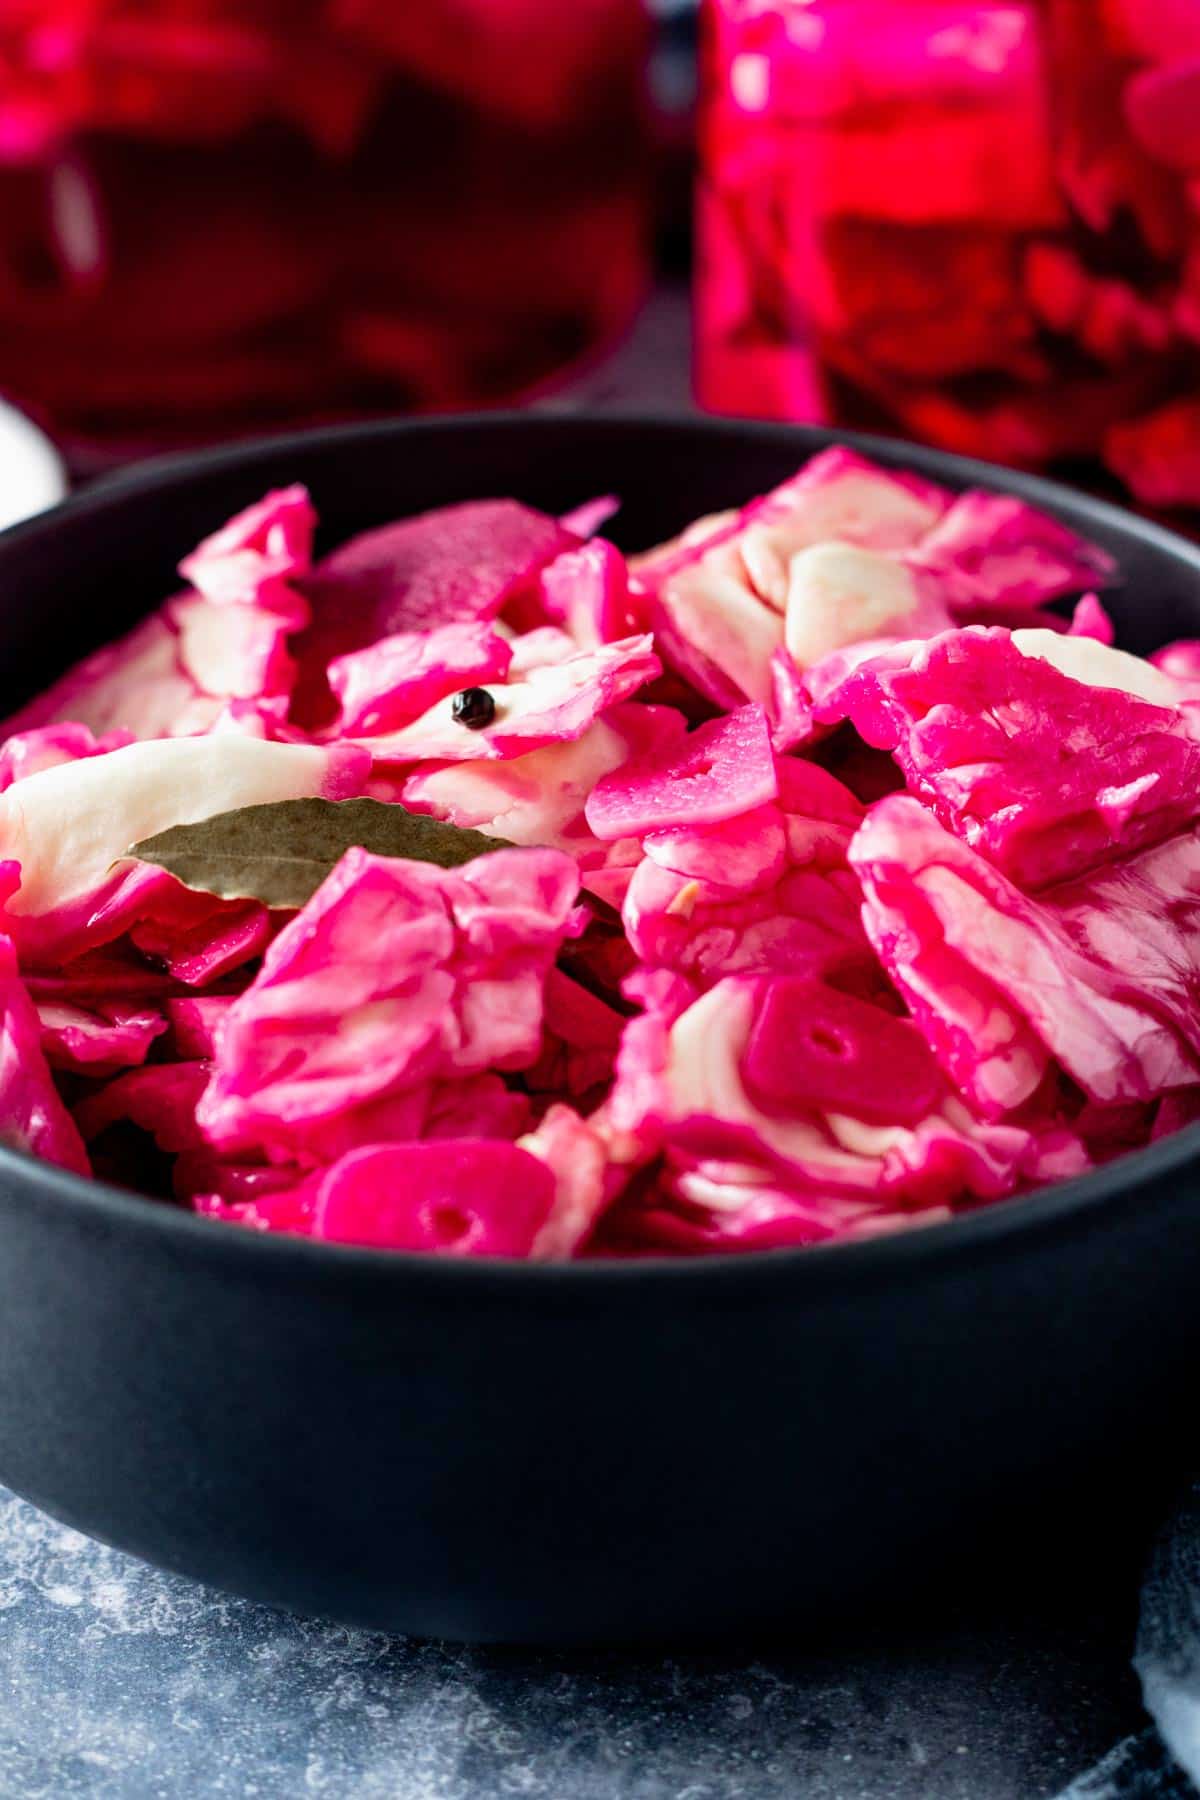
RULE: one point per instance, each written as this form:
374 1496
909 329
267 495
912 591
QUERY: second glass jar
974 224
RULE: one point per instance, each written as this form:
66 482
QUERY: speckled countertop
119 1682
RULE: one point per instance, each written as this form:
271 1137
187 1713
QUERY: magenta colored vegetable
255 558
1089 619
32 1115
811 1046
100 1039
395 680
723 769
722 984
465 1198
993 550
841 554
1047 775
548 703
394 975
1097 973
160 1099
458 565
47 746
587 591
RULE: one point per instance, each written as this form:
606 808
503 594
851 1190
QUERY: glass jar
221 215
974 224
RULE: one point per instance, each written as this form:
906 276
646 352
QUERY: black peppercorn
474 708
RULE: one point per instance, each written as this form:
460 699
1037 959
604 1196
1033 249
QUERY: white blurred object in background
32 475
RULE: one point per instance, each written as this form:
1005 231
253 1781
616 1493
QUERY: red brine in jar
217 215
973 223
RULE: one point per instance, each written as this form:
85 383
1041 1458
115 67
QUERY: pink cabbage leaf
47 746
1097 973
683 1091
98 1039
32 1116
397 679
546 704
393 975
254 559
457 565
1028 745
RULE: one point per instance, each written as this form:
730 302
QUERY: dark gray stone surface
120 1682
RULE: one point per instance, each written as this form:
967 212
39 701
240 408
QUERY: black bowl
595 1452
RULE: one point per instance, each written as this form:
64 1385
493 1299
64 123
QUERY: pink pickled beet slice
461 1197
725 768
811 1046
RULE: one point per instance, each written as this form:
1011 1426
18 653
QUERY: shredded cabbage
846 872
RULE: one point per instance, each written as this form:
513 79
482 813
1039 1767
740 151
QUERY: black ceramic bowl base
596 1453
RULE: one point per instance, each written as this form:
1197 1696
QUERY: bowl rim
1004 1226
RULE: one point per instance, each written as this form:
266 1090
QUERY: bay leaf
281 852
